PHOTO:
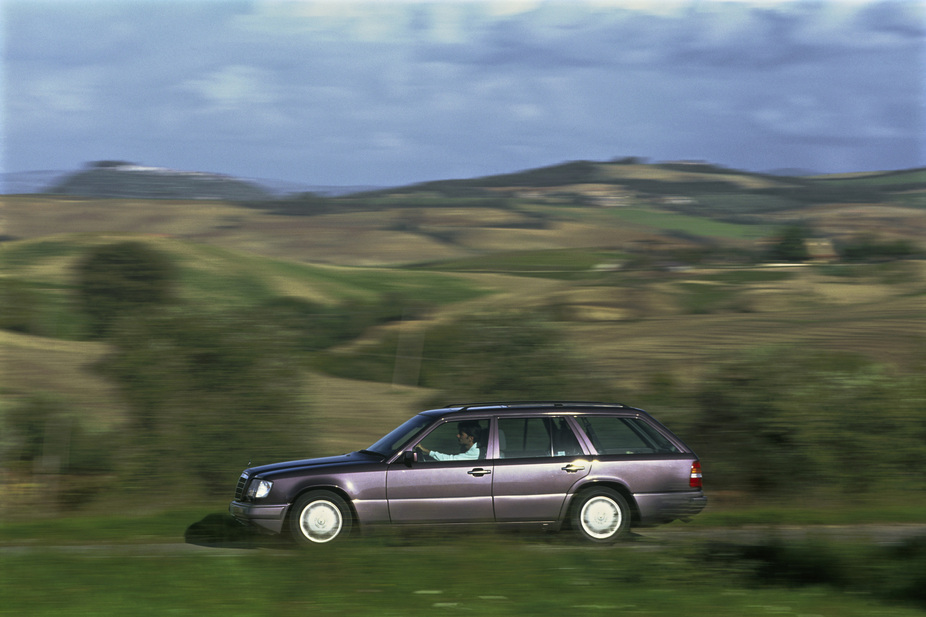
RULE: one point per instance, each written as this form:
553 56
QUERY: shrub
119 279
207 395
781 421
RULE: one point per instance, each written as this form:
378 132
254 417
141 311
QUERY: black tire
600 515
320 517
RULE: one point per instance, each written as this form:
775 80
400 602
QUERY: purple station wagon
594 467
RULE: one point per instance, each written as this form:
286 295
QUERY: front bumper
268 518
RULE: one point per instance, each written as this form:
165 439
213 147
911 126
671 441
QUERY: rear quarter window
613 435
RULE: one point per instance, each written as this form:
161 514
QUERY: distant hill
127 180
25 182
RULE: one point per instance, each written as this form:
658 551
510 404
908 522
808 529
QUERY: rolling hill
646 271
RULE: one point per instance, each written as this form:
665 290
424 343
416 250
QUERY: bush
790 245
122 279
20 307
314 327
39 435
505 357
207 395
781 421
869 248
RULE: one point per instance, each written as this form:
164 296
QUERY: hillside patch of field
554 263
223 278
61 370
887 179
655 172
690 225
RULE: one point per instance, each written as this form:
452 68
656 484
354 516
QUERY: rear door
539 461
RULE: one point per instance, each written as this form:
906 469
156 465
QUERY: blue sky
387 92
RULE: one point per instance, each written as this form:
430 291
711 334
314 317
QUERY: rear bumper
265 517
656 508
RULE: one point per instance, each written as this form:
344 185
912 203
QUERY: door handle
572 468
479 472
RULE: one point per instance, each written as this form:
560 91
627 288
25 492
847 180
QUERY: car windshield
388 445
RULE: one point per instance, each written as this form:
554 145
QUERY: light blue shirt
469 455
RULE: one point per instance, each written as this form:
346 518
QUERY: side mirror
409 457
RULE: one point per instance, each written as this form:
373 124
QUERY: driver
467 434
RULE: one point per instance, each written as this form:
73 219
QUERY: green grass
27 253
746 277
159 527
130 526
555 263
489 575
220 278
887 179
119 564
691 225
887 508
702 299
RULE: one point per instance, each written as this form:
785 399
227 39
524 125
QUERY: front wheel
601 515
320 517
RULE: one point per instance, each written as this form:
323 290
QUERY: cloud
386 91
234 87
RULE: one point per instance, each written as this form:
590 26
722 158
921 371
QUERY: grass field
445 577
673 222
114 565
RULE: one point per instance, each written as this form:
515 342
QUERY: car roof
516 407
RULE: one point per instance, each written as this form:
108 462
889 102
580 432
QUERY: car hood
351 458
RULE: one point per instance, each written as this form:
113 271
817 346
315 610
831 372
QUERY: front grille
242 484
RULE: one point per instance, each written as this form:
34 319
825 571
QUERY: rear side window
610 435
536 438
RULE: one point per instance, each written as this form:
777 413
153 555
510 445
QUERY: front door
451 482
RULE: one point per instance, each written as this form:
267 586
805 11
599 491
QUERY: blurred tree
119 279
314 327
20 307
40 435
868 248
780 421
791 246
207 395
506 356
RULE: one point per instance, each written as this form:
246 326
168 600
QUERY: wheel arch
614 485
355 519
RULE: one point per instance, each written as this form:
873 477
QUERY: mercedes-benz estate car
593 467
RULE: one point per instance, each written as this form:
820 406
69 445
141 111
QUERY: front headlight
259 489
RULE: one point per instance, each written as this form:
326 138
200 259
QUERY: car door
539 461
427 490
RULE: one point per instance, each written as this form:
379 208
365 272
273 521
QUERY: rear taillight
695 481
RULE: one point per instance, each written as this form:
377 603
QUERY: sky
391 93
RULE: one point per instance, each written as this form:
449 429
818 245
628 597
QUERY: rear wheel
601 515
320 517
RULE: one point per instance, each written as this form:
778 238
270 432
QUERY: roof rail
510 404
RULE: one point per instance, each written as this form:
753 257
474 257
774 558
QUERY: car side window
536 438
612 435
455 440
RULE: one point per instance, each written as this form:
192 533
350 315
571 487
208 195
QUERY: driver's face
465 439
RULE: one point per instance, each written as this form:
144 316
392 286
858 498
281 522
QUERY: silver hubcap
600 517
320 521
